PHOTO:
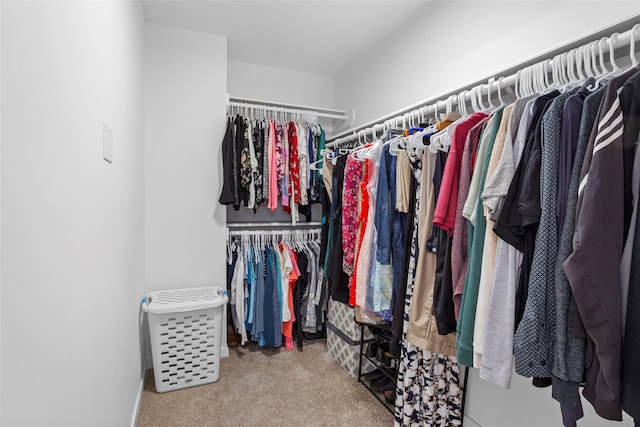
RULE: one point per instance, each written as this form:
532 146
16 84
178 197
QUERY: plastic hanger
516 85
555 72
524 82
580 64
612 54
474 100
593 51
615 70
500 99
462 108
489 84
601 56
395 145
632 46
435 111
480 101
587 61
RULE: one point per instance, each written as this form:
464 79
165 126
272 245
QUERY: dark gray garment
568 144
568 366
533 341
593 268
631 349
630 266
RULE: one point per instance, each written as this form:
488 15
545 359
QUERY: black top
227 194
520 215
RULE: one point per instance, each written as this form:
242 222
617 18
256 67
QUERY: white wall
185 99
72 224
245 80
0 220
522 405
279 85
449 45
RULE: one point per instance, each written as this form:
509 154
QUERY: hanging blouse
352 181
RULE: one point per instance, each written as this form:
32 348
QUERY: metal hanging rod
280 225
305 234
605 40
283 108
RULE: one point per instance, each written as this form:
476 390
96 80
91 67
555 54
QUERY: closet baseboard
138 404
470 422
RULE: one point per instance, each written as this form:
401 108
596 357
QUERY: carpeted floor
268 387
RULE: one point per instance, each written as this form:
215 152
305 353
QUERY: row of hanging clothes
276 292
503 238
272 162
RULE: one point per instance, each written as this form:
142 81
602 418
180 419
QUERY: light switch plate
107 143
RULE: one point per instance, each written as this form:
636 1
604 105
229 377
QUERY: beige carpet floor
267 387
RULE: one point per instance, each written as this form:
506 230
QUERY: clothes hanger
491 108
522 82
567 76
517 84
555 72
546 78
500 99
632 46
612 55
593 53
474 101
586 61
530 81
601 56
442 140
580 64
483 107
591 65
460 103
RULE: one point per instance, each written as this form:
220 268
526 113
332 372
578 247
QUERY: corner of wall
138 403
1 268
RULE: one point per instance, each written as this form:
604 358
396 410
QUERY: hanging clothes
276 288
502 240
438 400
268 162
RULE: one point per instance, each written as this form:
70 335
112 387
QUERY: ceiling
319 37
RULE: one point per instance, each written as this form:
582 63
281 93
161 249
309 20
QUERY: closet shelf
286 225
328 113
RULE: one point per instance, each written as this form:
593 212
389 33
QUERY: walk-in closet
319 213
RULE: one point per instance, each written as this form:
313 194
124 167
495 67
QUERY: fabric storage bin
343 338
186 328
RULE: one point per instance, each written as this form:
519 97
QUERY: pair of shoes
371 350
390 396
384 356
380 381
387 384
374 375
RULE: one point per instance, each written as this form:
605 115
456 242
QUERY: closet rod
283 225
328 113
508 81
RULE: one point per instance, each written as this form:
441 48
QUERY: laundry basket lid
178 300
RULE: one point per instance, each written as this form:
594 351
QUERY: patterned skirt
428 391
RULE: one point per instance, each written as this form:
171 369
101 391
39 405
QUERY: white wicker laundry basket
185 326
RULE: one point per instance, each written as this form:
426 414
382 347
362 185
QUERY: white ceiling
317 37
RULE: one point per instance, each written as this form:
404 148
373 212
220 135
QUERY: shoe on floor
390 396
389 385
374 375
380 381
